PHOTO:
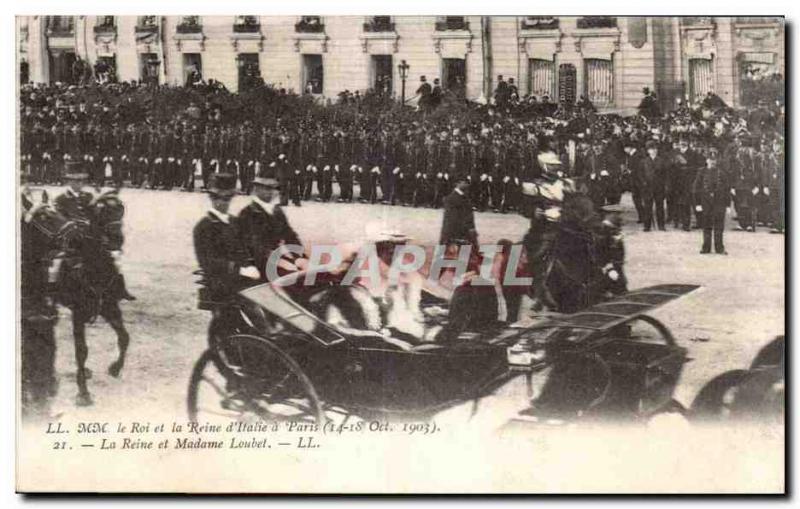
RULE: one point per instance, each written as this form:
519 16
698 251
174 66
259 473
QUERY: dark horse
43 233
580 257
90 284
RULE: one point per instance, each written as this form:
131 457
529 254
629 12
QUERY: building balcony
309 27
592 22
189 28
378 27
247 28
146 29
451 25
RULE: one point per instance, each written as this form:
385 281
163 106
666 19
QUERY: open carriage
283 363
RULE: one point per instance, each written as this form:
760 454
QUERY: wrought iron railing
247 28
597 22
452 24
379 26
189 28
309 26
539 23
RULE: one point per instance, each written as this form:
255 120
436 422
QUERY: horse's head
107 213
52 227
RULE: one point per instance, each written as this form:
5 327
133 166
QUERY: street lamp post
403 67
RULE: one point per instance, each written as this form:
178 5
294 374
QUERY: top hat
223 185
73 171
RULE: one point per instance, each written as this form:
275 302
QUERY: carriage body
372 376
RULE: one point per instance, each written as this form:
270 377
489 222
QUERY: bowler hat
223 185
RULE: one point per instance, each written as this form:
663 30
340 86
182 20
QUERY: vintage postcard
401 254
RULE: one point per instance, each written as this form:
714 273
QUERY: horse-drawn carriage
279 361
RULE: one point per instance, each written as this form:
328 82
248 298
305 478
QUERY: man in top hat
685 163
436 94
220 254
424 92
263 226
74 202
458 223
652 182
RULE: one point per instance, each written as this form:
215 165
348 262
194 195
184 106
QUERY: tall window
599 81
382 71
760 78
104 24
249 70
701 78
313 74
542 78
60 25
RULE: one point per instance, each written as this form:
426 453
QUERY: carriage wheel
664 334
715 398
249 378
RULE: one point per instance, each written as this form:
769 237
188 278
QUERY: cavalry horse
90 285
574 276
43 232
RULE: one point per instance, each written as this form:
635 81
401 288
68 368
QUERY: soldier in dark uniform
263 226
712 197
740 161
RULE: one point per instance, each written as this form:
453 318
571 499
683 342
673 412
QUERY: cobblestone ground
738 310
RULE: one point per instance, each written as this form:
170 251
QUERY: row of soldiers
409 167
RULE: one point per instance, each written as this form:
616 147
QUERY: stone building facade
608 59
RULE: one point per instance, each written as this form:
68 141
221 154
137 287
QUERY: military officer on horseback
546 195
77 204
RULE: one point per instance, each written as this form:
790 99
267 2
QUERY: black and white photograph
488 254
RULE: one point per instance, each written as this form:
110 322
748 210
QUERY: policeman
712 197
